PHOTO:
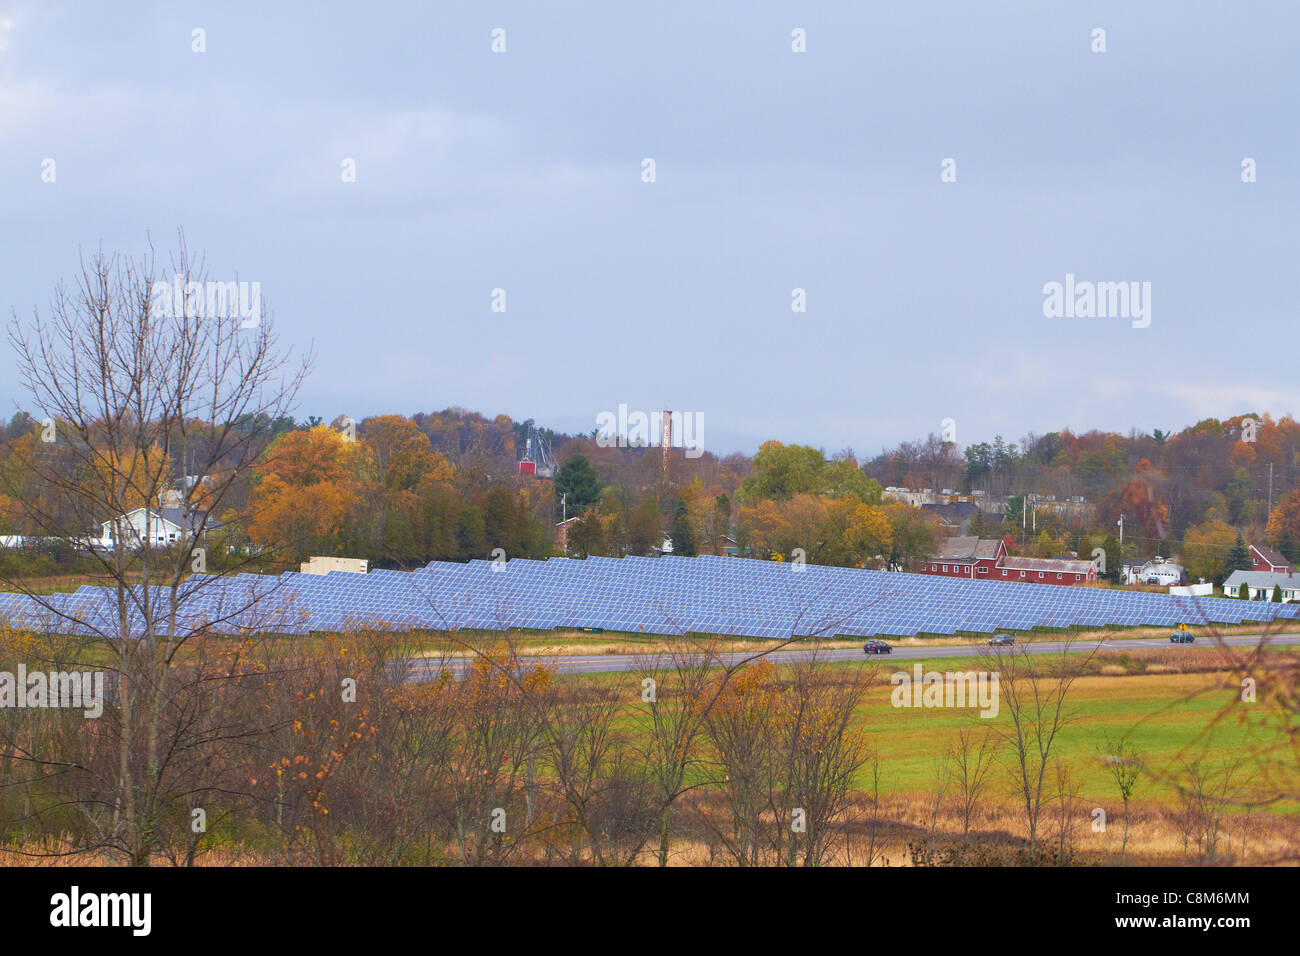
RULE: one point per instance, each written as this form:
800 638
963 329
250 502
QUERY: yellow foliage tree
306 485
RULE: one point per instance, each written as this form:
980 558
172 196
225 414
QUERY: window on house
1004 572
1058 576
1078 576
1040 574
945 567
984 570
1022 574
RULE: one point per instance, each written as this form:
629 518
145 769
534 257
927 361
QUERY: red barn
986 559
1047 570
966 557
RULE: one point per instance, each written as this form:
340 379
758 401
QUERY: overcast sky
774 170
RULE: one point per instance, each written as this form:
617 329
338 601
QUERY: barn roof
1061 565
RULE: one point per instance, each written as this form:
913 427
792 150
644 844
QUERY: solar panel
670 595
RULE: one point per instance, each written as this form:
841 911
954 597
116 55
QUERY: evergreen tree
683 534
1015 510
577 479
1238 557
1114 560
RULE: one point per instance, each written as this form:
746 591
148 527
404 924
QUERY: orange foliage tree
305 486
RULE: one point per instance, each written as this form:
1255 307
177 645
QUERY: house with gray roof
1261 585
154 527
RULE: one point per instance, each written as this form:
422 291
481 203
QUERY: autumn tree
1142 496
861 534
914 534
1284 523
780 472
305 485
741 760
1206 548
819 751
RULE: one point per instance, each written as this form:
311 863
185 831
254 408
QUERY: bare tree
1205 792
819 754
679 691
942 780
678 719
1033 689
971 763
146 403
740 732
873 827
1066 797
1125 768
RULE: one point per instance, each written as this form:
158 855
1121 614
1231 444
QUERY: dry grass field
1216 777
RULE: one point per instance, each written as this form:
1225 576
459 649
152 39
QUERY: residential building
732 550
953 514
154 527
1261 585
916 497
1160 572
1266 559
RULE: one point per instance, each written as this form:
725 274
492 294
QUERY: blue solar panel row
669 595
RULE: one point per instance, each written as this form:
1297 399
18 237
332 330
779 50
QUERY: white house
156 527
1261 584
1157 571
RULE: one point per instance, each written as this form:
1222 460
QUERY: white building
156 527
1157 571
1261 584
325 564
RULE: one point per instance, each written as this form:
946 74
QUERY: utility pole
1270 492
1120 570
564 506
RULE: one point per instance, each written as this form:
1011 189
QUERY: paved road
420 670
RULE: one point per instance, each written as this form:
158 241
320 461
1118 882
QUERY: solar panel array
670 595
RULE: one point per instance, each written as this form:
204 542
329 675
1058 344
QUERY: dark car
1181 637
876 647
1001 640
